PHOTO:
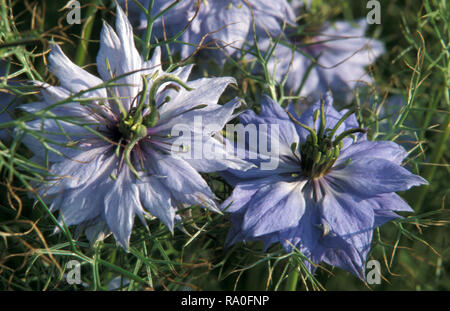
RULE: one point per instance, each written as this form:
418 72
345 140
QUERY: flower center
322 148
131 128
133 124
317 159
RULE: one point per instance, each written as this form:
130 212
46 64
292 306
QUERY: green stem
86 34
347 133
310 130
292 280
339 123
127 154
148 33
141 105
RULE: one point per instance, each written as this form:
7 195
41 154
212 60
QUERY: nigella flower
341 54
331 189
218 23
113 155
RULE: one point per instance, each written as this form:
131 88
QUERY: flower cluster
331 57
113 152
334 59
221 27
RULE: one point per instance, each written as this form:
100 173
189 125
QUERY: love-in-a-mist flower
218 23
331 189
110 146
341 54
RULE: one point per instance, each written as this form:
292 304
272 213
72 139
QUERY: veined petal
386 150
86 201
273 208
206 121
131 58
385 205
206 91
229 24
80 170
121 204
157 199
352 221
366 178
182 180
244 191
73 77
110 53
307 233
58 135
339 253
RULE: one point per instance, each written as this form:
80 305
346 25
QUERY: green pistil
320 151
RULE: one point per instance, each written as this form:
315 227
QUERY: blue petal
56 134
347 218
73 77
387 150
367 177
306 234
121 204
273 208
206 91
157 199
184 183
84 201
385 205
271 109
341 254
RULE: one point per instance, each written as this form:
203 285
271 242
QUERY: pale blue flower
342 54
219 23
330 190
114 158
